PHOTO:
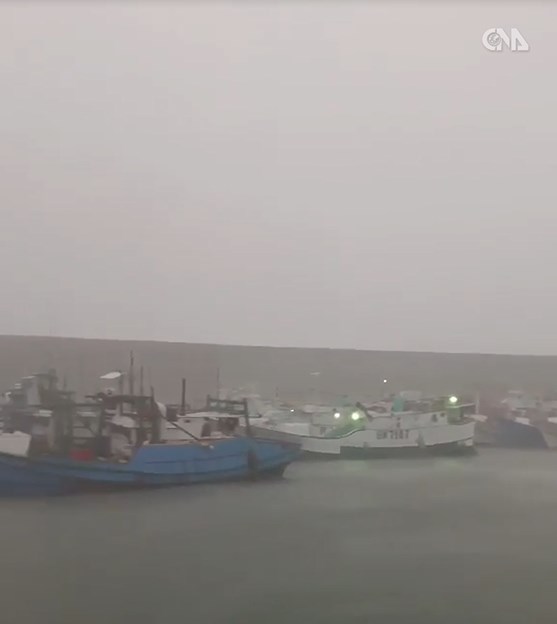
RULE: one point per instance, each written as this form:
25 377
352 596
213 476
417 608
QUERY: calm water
433 540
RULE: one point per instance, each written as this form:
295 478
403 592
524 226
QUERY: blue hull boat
508 433
519 435
153 465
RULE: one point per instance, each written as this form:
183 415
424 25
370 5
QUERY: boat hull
504 432
455 439
445 449
152 466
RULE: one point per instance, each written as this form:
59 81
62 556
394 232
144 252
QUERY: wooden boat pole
183 402
100 429
131 379
155 423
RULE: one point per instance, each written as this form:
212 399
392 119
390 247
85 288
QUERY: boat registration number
393 434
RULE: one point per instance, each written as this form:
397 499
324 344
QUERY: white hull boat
362 433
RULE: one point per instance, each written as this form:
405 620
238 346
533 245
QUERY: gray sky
300 174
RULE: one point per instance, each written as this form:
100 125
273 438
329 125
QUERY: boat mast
183 401
131 378
316 390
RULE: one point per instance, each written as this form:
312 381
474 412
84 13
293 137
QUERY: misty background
359 175
363 177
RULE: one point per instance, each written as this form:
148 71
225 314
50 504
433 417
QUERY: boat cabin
219 417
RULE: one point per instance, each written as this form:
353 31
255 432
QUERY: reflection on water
433 540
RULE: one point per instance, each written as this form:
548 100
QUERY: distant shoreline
283 347
291 373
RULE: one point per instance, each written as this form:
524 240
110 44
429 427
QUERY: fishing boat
383 429
510 431
127 449
518 421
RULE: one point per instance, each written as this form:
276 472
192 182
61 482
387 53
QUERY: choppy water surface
435 540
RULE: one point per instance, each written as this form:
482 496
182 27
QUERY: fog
353 175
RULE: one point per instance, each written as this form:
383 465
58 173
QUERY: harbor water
433 540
